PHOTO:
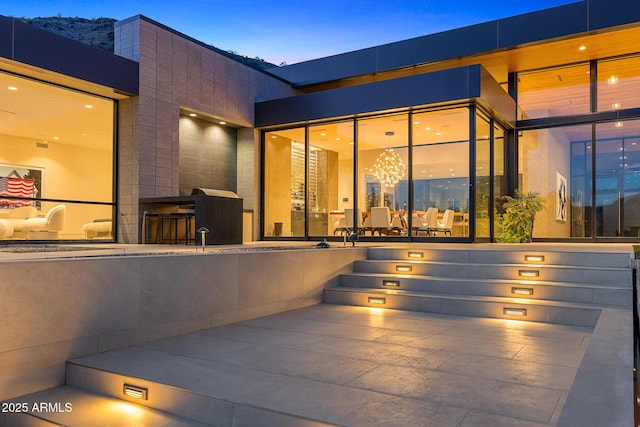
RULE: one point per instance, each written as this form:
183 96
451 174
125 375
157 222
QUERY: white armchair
47 227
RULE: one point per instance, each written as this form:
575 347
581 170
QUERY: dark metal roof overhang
470 83
41 50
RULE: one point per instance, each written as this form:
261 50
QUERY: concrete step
554 273
565 313
554 291
73 407
535 254
206 392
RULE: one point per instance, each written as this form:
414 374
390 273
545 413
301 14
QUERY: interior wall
208 156
545 152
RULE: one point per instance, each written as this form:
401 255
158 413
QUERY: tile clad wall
177 72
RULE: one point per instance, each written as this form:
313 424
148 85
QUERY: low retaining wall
56 309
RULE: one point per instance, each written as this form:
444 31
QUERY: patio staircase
537 282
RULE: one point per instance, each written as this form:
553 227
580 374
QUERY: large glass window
441 173
618 83
550 164
383 195
483 177
499 176
56 162
284 183
559 91
618 179
330 178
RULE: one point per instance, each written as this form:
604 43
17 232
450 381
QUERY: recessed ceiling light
223 123
193 114
89 106
12 88
56 138
616 105
612 80
582 47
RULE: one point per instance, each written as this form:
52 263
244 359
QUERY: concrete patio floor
357 366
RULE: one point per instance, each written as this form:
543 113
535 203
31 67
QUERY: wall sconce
416 254
514 311
522 291
528 273
377 300
135 391
534 258
391 283
404 268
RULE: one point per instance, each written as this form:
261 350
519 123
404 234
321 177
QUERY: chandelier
389 168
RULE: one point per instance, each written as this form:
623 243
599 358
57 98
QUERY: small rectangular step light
528 273
404 268
522 291
135 391
391 283
416 254
514 311
534 258
377 300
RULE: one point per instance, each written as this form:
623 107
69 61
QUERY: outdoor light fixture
416 254
534 258
522 291
528 273
377 300
514 311
135 391
391 283
404 268
203 232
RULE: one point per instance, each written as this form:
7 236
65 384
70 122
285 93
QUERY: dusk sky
290 31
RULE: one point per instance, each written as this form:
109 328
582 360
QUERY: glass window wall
383 176
553 92
551 164
618 179
618 83
330 178
56 162
483 177
284 175
441 173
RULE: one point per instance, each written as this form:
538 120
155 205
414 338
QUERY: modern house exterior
416 140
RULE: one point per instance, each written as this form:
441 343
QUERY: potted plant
518 216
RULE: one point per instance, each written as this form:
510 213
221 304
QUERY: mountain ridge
98 32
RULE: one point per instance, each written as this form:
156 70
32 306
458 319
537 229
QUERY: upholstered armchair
47 227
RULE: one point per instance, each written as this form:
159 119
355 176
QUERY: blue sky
290 31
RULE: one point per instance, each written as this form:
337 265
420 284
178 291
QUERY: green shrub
518 216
